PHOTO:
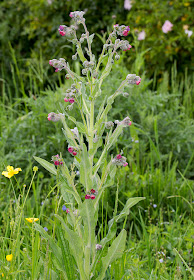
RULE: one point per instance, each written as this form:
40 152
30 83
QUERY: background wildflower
30 220
9 257
11 171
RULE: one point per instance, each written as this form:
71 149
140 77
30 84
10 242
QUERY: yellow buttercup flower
11 171
2 274
30 220
9 257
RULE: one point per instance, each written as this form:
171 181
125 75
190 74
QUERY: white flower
127 5
188 32
141 35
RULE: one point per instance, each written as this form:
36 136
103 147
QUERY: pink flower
71 100
130 123
50 62
138 82
92 196
61 28
126 31
119 156
49 117
125 164
93 191
62 33
129 47
70 150
67 210
87 196
71 14
66 100
74 153
56 162
116 25
57 70
167 26
127 5
141 35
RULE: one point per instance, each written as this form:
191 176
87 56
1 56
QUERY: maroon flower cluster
71 100
72 151
91 195
57 160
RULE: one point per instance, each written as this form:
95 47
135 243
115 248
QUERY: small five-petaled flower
11 171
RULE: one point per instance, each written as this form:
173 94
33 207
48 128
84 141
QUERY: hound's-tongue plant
83 142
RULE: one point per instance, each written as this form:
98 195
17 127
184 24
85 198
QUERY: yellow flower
186 4
2 274
30 220
11 171
9 257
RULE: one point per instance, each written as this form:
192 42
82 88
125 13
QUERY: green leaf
115 251
55 249
85 170
80 127
47 165
76 246
130 203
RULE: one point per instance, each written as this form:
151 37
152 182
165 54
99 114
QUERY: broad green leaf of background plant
47 165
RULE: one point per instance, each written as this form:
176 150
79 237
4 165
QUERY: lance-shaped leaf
115 251
112 223
47 165
76 246
55 249
130 203
89 216
85 170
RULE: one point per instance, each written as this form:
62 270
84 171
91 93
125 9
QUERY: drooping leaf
47 165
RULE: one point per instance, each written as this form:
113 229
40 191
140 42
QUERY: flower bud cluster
133 79
72 151
125 46
58 64
70 94
122 30
88 66
54 117
91 194
98 247
126 122
57 160
109 125
77 16
119 160
83 37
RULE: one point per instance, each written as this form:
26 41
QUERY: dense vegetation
159 148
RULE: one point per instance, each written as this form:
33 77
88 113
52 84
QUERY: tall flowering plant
90 255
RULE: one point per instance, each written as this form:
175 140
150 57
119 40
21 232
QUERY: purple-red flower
138 82
87 196
126 31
